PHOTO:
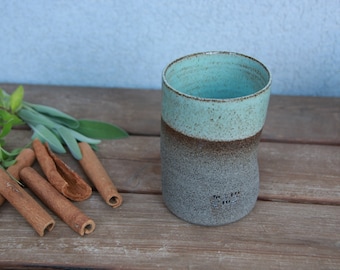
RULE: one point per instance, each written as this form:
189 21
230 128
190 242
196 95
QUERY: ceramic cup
214 106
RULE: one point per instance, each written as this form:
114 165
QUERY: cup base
208 183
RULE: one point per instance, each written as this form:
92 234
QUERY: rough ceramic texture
227 101
208 183
213 109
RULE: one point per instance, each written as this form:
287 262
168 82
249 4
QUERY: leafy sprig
9 106
49 125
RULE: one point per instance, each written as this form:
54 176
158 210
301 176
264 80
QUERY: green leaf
4 99
55 115
16 99
70 141
14 152
8 162
100 130
6 128
80 137
32 117
64 121
7 121
5 116
45 135
17 121
7 158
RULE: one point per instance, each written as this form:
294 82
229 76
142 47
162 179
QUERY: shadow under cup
214 106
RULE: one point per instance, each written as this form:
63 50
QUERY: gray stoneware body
214 105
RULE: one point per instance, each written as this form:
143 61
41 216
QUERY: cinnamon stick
61 206
2 200
60 175
98 175
33 212
25 158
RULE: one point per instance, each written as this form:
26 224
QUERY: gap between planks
143 233
301 119
288 172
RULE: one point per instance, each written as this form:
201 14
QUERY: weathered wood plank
143 234
289 172
300 173
138 112
303 120
289 118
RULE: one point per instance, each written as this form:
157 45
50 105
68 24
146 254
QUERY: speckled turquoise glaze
217 96
214 106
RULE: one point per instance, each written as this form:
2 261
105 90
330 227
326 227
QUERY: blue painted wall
116 43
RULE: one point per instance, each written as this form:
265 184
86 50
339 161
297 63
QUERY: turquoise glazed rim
216 96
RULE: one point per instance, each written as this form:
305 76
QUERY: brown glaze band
213 145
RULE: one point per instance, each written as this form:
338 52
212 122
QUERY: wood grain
303 120
300 173
142 234
294 225
289 118
136 111
289 172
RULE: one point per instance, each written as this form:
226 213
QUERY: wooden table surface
294 225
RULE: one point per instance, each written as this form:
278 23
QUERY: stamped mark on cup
224 200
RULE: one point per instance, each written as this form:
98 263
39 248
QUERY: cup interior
216 75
